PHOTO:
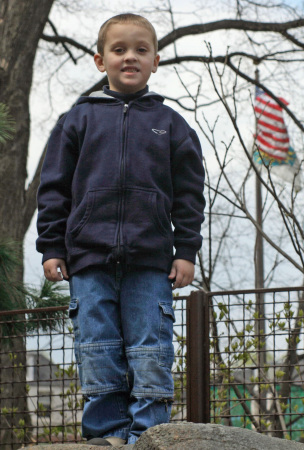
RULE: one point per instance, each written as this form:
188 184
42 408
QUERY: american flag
272 137
272 141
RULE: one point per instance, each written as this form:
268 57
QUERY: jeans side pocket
167 318
73 308
73 315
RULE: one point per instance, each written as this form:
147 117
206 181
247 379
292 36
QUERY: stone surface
191 436
75 447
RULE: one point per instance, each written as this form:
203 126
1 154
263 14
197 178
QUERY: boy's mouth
130 69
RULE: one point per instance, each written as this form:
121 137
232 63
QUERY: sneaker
99 441
115 440
110 441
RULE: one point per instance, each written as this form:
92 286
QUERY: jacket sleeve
54 193
188 200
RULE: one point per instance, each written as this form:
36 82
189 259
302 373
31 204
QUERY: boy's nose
130 55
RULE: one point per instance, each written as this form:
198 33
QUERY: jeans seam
105 390
164 394
142 349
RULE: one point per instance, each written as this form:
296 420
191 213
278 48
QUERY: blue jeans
123 325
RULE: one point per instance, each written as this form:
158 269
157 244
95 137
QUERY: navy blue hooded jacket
114 178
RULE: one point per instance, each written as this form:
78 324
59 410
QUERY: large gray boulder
80 446
192 436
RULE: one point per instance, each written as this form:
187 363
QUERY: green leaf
249 328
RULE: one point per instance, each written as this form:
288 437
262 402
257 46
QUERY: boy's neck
123 96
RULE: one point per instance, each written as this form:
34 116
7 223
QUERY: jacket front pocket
94 222
145 222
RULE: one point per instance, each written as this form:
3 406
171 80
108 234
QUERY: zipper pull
125 108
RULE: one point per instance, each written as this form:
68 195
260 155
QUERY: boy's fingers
172 273
178 282
181 274
172 277
53 275
64 271
182 281
55 270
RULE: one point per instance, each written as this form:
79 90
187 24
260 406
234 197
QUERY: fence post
198 370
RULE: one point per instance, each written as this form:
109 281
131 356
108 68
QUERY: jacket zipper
121 180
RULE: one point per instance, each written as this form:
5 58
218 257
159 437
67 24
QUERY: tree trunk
21 25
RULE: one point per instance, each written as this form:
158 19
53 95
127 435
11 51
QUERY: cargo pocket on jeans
167 318
73 315
73 308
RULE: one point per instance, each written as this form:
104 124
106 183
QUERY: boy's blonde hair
122 19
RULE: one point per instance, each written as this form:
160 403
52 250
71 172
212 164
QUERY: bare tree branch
195 29
242 204
66 40
292 39
229 24
63 43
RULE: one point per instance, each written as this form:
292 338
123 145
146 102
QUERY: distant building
54 399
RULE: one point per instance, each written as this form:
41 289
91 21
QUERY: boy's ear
156 62
98 59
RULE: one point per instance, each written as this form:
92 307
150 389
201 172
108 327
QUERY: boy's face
129 57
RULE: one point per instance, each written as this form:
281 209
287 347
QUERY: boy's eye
142 50
118 50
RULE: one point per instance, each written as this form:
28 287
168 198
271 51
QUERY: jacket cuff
54 253
185 252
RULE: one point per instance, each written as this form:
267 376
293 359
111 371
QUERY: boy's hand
183 272
51 271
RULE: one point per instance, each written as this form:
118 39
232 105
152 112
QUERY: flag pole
259 269
259 251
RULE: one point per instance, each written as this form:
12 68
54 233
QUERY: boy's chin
128 88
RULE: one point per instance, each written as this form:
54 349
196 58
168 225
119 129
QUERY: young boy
120 166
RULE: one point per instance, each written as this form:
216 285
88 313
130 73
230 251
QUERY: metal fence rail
40 397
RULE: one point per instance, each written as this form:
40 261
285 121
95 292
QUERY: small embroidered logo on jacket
159 132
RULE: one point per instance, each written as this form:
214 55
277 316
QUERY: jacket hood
101 96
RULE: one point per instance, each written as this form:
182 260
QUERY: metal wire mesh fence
40 396
239 361
179 371
257 360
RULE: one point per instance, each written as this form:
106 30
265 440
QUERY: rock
192 436
75 446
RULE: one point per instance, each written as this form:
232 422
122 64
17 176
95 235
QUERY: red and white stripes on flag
272 137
